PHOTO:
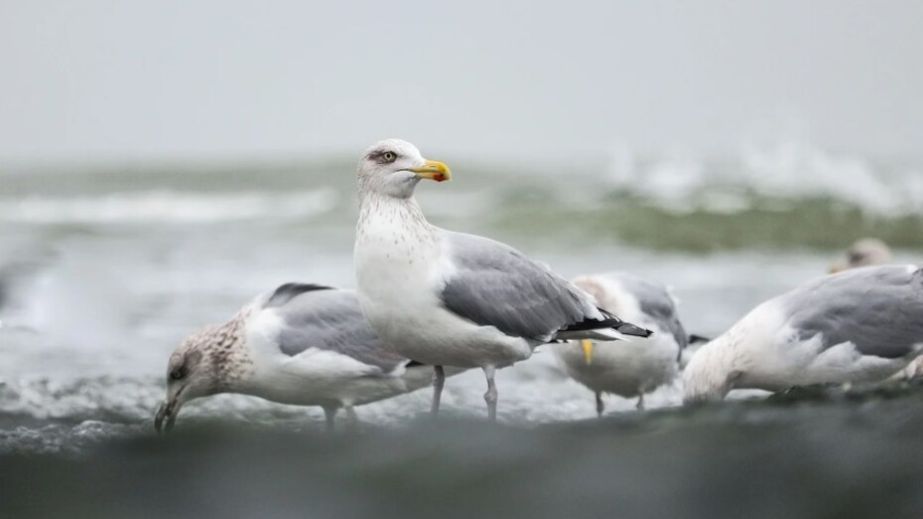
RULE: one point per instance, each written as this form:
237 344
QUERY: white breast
400 271
395 258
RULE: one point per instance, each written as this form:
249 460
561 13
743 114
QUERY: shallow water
102 272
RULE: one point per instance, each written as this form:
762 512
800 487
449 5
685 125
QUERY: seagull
628 368
864 253
301 344
445 298
872 251
861 325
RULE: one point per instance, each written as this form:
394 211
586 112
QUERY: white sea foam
790 170
163 206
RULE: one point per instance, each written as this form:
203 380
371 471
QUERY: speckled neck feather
228 353
403 214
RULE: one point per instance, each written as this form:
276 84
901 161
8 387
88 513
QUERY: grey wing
330 319
656 302
879 309
495 285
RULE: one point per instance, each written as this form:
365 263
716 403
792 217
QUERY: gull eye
389 156
177 374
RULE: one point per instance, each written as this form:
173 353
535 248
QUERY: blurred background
161 163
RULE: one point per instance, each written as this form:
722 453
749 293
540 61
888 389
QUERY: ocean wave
115 399
789 172
716 221
789 195
166 206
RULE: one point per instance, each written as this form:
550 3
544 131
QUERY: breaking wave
790 195
788 172
166 207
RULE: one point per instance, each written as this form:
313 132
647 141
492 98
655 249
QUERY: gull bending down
450 299
301 344
861 325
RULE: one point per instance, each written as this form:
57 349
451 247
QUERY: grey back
655 301
496 285
328 319
879 309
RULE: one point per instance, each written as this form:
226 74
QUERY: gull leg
491 395
438 384
600 405
330 414
640 405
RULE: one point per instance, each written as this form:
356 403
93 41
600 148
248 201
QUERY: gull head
393 167
863 253
191 373
710 374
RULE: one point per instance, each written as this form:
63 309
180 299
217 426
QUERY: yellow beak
587 346
433 170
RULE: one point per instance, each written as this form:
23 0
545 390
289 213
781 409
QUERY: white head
864 253
393 168
711 373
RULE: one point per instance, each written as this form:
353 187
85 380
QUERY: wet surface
827 454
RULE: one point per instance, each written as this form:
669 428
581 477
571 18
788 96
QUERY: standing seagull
629 368
862 325
450 299
301 344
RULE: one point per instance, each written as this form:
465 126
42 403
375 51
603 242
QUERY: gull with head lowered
862 325
301 344
450 299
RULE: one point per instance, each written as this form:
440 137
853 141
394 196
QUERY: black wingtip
695 339
289 291
632 330
623 327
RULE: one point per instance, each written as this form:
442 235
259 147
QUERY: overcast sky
229 78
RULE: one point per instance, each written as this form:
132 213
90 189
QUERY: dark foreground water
808 454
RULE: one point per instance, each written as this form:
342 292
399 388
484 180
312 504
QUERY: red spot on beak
439 177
